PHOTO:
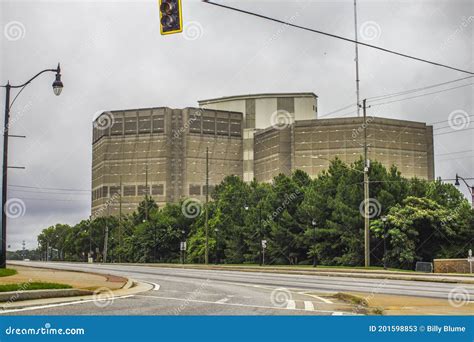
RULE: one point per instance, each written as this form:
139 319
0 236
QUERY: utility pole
366 190
356 58
106 237
120 220
146 192
207 200
90 237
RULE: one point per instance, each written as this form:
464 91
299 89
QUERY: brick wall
451 266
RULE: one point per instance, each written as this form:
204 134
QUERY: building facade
310 145
264 110
161 152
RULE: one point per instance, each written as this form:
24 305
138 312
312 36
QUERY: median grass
32 286
5 272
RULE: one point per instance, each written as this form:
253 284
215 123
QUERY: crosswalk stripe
308 305
291 304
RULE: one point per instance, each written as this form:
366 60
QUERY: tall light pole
206 258
313 223
57 88
470 187
384 222
366 190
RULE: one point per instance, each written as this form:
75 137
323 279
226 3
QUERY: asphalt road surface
178 291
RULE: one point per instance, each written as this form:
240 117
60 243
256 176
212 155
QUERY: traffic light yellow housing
171 20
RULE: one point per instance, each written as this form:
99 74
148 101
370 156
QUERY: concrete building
162 152
261 111
309 145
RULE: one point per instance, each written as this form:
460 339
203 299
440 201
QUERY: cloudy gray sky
113 57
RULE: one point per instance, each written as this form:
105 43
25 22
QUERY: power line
438 122
36 187
53 199
405 92
49 193
337 110
421 95
336 36
449 126
455 131
450 153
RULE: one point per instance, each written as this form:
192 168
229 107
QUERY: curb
11 296
135 287
328 273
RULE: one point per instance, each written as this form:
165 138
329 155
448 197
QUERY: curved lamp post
470 187
57 88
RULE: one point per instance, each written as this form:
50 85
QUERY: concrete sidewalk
78 280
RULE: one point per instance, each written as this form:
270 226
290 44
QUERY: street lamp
57 88
471 188
384 222
313 223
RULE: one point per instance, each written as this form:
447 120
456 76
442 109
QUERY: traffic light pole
206 209
366 191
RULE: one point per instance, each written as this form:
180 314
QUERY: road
179 291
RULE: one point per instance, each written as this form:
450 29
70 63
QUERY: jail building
162 151
310 145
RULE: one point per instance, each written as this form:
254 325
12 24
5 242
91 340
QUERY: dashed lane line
229 304
308 305
291 305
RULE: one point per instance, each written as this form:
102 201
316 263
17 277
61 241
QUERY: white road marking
223 300
39 307
324 300
229 304
156 287
291 304
308 305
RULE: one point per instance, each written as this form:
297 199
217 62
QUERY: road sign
182 246
264 244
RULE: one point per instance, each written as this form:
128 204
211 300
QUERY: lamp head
58 84
457 180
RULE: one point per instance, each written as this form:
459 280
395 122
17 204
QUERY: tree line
302 220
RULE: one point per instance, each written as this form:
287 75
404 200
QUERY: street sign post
182 248
470 259
264 246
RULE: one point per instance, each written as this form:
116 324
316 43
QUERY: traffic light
171 20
